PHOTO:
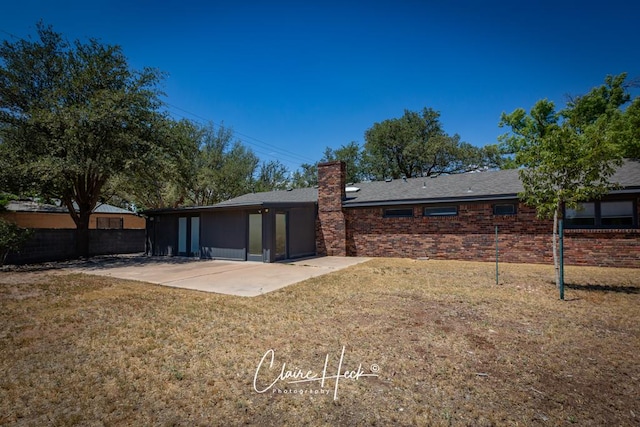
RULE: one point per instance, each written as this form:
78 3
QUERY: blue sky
293 77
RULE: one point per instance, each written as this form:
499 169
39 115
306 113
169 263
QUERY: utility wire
265 145
259 144
257 149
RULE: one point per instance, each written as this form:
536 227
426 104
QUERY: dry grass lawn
448 345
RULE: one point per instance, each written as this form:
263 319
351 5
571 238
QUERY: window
504 209
441 211
584 215
107 223
398 213
613 214
609 214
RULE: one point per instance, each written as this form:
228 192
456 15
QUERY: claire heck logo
266 379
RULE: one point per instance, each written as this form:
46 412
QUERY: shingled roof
478 186
32 206
469 186
295 196
488 185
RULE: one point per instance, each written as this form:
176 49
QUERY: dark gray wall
223 235
302 232
56 245
162 233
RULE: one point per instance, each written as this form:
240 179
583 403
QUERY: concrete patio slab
241 278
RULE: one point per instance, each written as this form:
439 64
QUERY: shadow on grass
101 262
604 288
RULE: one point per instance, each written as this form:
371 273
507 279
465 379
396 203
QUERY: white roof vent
351 189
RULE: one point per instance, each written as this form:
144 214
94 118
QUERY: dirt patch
448 345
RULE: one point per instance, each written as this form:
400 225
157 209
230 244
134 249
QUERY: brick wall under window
470 235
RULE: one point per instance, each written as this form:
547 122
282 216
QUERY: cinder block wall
56 245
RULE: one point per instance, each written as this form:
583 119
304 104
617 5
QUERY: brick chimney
331 237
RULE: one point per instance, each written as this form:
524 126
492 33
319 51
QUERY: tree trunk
81 219
82 234
556 260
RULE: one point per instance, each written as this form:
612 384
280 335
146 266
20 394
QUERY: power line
257 142
9 34
258 149
287 153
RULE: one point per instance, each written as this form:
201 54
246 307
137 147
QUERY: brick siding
469 235
331 227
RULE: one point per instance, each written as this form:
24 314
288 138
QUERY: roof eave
401 202
230 206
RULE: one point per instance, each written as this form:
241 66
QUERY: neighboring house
444 217
30 214
112 230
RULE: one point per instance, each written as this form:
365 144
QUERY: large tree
306 176
568 157
273 175
416 145
168 173
72 115
224 168
352 155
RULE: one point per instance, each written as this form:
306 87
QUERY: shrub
12 238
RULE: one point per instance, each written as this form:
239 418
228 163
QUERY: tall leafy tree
168 171
225 168
416 145
631 130
306 176
72 115
351 154
568 157
273 175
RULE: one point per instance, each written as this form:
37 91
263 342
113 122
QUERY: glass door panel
281 235
255 237
182 236
195 236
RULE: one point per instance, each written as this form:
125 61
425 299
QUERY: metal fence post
497 254
561 233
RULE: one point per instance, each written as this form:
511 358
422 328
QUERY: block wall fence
56 245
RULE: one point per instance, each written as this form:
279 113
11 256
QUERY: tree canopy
567 157
416 145
352 155
72 115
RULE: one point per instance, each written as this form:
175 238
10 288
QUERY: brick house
455 217
445 217
30 214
